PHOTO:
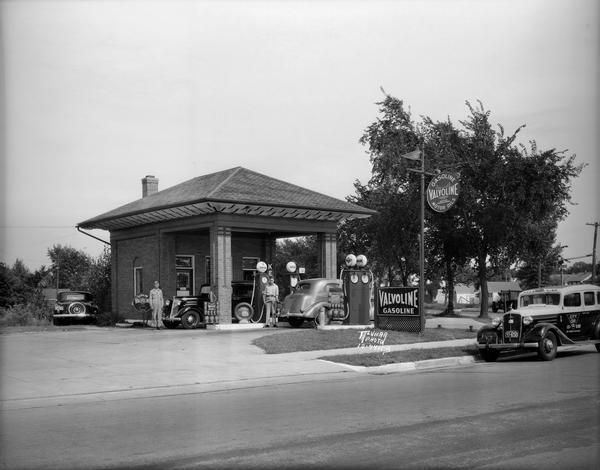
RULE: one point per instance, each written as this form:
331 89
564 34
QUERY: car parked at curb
75 305
545 319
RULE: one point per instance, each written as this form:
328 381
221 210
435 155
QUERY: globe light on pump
291 267
361 261
261 267
350 261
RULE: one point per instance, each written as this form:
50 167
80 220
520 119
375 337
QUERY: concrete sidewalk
91 364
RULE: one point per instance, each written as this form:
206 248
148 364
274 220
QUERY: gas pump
248 303
261 278
294 274
357 281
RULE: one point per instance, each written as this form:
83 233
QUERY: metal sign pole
422 245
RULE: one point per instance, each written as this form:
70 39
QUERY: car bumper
74 315
507 346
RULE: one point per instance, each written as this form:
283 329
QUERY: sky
98 94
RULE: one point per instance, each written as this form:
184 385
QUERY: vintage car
74 305
309 297
187 311
545 319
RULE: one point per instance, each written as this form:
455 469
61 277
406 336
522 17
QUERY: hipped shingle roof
235 191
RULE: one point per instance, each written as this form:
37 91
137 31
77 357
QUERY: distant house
463 294
570 279
495 287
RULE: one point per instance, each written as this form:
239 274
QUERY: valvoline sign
443 191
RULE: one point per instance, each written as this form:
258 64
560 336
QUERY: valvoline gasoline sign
442 191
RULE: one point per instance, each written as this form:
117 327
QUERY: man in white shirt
270 298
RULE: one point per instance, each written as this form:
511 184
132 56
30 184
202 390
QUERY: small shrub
24 315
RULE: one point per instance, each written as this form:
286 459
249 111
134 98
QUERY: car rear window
71 296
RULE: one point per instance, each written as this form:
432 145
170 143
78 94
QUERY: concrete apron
94 364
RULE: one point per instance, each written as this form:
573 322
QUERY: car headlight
527 320
58 308
496 321
178 302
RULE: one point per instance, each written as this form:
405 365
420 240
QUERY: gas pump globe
358 283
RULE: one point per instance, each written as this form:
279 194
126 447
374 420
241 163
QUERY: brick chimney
149 185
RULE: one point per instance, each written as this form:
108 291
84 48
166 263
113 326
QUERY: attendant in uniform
270 298
156 302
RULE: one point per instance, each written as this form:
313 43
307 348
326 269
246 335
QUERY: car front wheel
171 325
547 347
190 319
489 355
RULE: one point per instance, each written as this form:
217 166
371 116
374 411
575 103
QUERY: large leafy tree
389 238
510 195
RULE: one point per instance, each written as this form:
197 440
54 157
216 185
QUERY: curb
408 366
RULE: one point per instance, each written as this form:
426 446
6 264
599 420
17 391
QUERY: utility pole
595 224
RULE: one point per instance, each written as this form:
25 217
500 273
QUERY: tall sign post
420 155
442 193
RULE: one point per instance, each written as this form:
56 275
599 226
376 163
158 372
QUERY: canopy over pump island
210 232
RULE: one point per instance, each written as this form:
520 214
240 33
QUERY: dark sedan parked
74 305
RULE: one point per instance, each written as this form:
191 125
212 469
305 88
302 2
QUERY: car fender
187 309
596 329
540 330
311 312
486 329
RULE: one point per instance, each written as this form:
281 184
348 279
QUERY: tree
509 194
389 238
8 286
70 267
98 280
303 251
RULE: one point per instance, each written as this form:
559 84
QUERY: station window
138 281
249 267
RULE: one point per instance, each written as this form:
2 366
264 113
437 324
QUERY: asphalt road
521 413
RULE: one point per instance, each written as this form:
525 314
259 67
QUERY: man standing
156 302
270 298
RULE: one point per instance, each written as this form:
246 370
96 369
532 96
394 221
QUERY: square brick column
222 272
328 254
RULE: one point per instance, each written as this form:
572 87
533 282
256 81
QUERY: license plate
511 334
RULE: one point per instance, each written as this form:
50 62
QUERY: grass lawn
411 355
313 340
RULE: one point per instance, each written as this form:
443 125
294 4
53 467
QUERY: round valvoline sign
442 191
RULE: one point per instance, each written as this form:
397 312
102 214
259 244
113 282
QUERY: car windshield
71 296
540 299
